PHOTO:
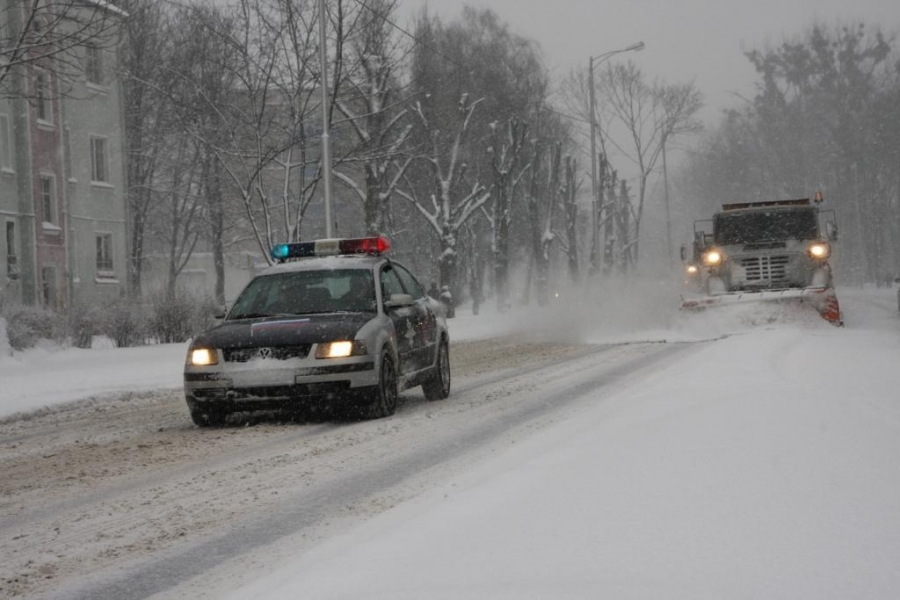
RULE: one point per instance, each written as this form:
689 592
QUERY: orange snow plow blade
824 300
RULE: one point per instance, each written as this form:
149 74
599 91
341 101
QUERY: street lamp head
636 47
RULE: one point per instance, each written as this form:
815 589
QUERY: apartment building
63 212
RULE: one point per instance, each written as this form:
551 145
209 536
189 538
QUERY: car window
390 283
306 292
413 288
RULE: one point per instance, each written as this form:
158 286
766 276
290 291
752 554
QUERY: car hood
283 331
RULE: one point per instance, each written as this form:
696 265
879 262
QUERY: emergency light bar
330 247
767 203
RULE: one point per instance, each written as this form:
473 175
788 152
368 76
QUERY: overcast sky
699 40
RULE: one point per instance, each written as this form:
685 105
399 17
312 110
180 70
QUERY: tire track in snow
311 507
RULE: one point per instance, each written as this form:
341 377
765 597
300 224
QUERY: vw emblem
265 353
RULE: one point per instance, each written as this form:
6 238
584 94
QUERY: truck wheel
438 385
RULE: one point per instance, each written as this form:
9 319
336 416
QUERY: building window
99 170
43 105
5 144
104 256
48 198
12 262
93 65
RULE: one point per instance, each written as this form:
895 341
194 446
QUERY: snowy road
743 455
127 499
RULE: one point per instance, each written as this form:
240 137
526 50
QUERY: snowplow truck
773 251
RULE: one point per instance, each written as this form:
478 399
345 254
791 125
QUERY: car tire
384 400
207 416
437 387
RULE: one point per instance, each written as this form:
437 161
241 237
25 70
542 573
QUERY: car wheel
207 416
438 385
384 401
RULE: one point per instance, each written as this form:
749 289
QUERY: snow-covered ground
763 465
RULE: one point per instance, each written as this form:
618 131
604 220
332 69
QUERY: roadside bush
124 323
179 318
5 350
118 319
83 324
25 325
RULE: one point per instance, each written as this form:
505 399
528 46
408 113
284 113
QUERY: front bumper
258 385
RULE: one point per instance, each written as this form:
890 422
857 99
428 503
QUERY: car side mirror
220 313
399 301
683 252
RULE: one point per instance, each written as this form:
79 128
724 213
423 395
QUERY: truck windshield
765 226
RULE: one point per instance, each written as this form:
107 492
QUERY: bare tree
651 115
451 200
142 58
271 117
568 193
376 116
506 154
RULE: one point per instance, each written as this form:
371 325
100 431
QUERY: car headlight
712 258
203 357
820 250
341 349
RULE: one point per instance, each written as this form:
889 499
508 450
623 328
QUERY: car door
403 319
424 319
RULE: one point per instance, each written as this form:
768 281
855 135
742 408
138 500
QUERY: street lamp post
595 201
326 135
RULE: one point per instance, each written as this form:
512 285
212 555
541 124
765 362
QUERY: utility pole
595 201
668 213
594 264
326 135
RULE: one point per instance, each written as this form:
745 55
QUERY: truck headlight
341 349
819 250
691 269
711 258
203 357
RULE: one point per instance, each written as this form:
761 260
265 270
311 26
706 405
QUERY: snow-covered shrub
5 350
179 318
83 324
124 322
25 325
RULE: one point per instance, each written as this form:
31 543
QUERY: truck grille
275 353
766 268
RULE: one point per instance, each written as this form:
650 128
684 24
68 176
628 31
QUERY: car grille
766 268
242 355
274 391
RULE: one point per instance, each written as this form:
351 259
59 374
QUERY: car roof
319 263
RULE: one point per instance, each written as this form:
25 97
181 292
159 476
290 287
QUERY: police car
334 322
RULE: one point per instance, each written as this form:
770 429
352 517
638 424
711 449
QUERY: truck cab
773 245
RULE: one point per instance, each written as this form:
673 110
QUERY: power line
566 115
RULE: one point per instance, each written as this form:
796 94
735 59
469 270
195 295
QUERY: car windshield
765 226
306 292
